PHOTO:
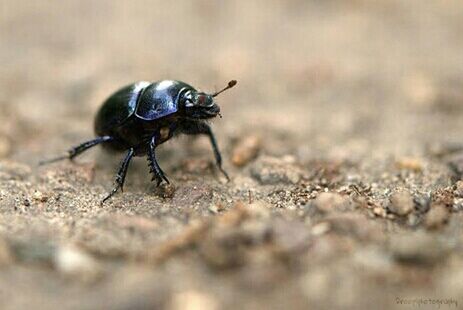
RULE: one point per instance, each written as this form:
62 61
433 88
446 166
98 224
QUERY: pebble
459 189
73 261
378 211
246 150
166 190
39 196
332 202
320 229
193 300
356 225
272 170
413 164
401 203
373 259
216 208
437 216
419 248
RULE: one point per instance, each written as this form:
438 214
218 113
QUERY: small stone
72 261
193 300
332 202
419 248
271 170
355 225
374 259
320 229
39 196
378 211
401 203
246 150
413 164
167 190
437 216
216 208
459 189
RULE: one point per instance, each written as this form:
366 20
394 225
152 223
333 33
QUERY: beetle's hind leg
155 169
79 149
121 173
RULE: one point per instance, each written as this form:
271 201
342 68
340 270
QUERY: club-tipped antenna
230 85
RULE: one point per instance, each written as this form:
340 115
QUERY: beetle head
201 105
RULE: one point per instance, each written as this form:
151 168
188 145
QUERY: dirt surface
343 139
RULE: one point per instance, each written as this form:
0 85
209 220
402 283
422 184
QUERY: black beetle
140 116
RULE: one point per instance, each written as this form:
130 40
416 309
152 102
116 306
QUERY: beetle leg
204 128
158 174
121 173
79 149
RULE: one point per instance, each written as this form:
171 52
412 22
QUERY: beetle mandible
140 116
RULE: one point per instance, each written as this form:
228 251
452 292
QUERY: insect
139 117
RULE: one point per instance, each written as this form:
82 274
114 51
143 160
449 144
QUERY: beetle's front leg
204 128
158 174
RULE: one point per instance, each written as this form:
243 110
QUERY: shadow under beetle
139 117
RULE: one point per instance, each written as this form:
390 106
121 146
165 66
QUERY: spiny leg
121 173
204 128
79 149
158 174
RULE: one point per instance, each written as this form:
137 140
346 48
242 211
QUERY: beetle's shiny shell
144 100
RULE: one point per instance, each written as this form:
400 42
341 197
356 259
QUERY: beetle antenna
230 85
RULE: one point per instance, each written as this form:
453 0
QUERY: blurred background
343 77
349 83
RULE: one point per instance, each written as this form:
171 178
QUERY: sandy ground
343 140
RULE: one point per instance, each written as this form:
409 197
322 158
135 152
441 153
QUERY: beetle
139 117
